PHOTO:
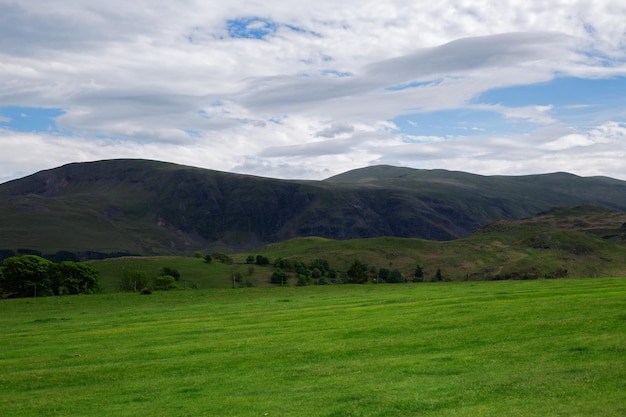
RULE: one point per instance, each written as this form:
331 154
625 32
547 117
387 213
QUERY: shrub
164 283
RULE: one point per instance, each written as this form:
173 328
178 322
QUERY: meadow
505 348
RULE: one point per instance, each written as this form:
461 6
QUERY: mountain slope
153 207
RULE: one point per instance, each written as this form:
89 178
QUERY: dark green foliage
222 257
262 260
321 264
208 258
32 276
73 278
285 264
164 283
438 275
304 280
134 280
302 269
383 274
357 273
396 277
418 275
279 277
250 259
171 272
26 276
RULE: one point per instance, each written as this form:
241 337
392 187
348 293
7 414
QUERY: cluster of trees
139 281
34 276
320 272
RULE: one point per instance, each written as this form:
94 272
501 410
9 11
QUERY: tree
208 258
438 276
222 257
134 280
357 273
383 274
303 281
395 277
26 276
250 259
73 278
302 269
164 283
321 264
279 277
262 260
171 272
418 275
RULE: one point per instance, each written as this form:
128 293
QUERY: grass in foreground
522 348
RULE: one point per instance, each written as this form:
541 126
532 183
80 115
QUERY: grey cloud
325 147
456 58
335 129
467 54
28 31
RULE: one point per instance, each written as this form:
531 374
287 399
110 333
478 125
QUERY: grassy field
514 348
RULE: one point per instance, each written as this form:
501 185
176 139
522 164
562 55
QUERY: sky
307 90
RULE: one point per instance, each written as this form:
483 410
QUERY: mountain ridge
154 207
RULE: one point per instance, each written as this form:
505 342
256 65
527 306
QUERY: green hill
579 242
157 208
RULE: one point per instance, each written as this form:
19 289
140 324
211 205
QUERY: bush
165 282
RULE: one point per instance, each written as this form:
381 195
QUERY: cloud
310 88
335 129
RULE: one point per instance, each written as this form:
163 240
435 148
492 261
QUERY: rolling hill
157 208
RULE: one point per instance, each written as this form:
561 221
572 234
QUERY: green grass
516 348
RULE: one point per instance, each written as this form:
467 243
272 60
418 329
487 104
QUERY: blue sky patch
577 102
29 119
459 122
413 84
560 92
251 28
257 28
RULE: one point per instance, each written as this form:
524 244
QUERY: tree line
34 276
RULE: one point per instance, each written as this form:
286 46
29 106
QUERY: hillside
158 208
575 243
